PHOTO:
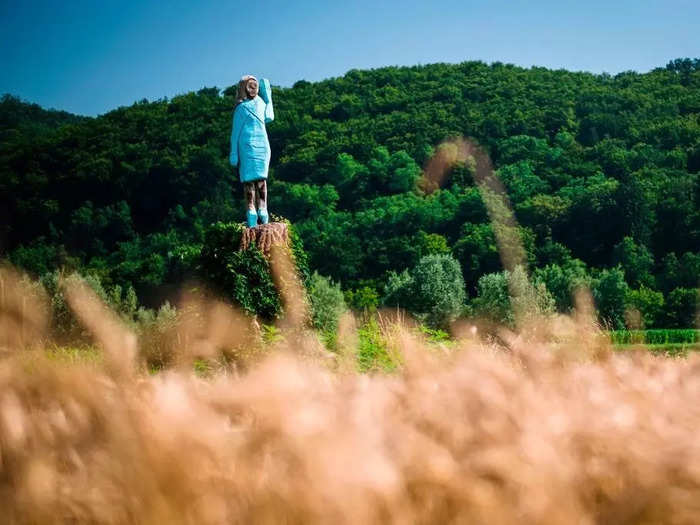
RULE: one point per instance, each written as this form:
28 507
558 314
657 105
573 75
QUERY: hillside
601 171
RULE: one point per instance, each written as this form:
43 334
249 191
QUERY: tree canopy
601 172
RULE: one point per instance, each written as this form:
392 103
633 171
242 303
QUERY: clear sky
89 57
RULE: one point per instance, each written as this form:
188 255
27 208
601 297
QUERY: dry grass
552 429
540 425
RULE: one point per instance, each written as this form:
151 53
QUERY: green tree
637 262
477 252
434 289
562 281
586 159
362 298
610 291
682 307
649 303
510 297
327 305
493 300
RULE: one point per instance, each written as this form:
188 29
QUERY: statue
250 147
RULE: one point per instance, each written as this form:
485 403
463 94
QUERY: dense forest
602 173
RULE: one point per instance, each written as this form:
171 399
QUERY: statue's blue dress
250 146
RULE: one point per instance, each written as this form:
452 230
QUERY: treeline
601 172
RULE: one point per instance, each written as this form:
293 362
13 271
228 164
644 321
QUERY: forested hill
17 115
601 170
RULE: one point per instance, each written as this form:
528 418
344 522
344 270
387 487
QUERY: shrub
649 303
610 291
38 258
434 335
505 296
244 277
637 261
527 298
327 305
492 300
562 281
433 289
364 298
64 324
399 290
372 352
682 306
155 330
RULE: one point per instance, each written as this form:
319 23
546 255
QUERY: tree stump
265 236
273 241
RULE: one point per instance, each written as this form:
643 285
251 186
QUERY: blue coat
250 148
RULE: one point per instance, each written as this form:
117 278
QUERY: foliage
562 281
434 289
327 305
680 272
243 277
507 297
399 289
493 301
64 324
154 328
373 351
649 303
271 334
364 298
637 262
599 169
527 298
664 336
434 335
609 292
155 331
682 308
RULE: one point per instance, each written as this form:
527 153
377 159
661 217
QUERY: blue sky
89 57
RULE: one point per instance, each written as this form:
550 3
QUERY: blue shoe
252 219
262 213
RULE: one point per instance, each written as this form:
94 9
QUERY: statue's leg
251 216
261 198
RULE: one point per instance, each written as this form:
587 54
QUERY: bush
64 324
244 277
506 296
38 258
433 289
372 352
649 303
155 330
562 281
327 305
610 291
637 261
364 298
682 306
434 335
492 300
399 290
527 298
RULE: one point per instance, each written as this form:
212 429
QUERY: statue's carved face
251 87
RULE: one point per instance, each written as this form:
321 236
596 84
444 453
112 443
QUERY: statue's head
247 88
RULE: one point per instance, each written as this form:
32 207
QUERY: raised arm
266 95
235 133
